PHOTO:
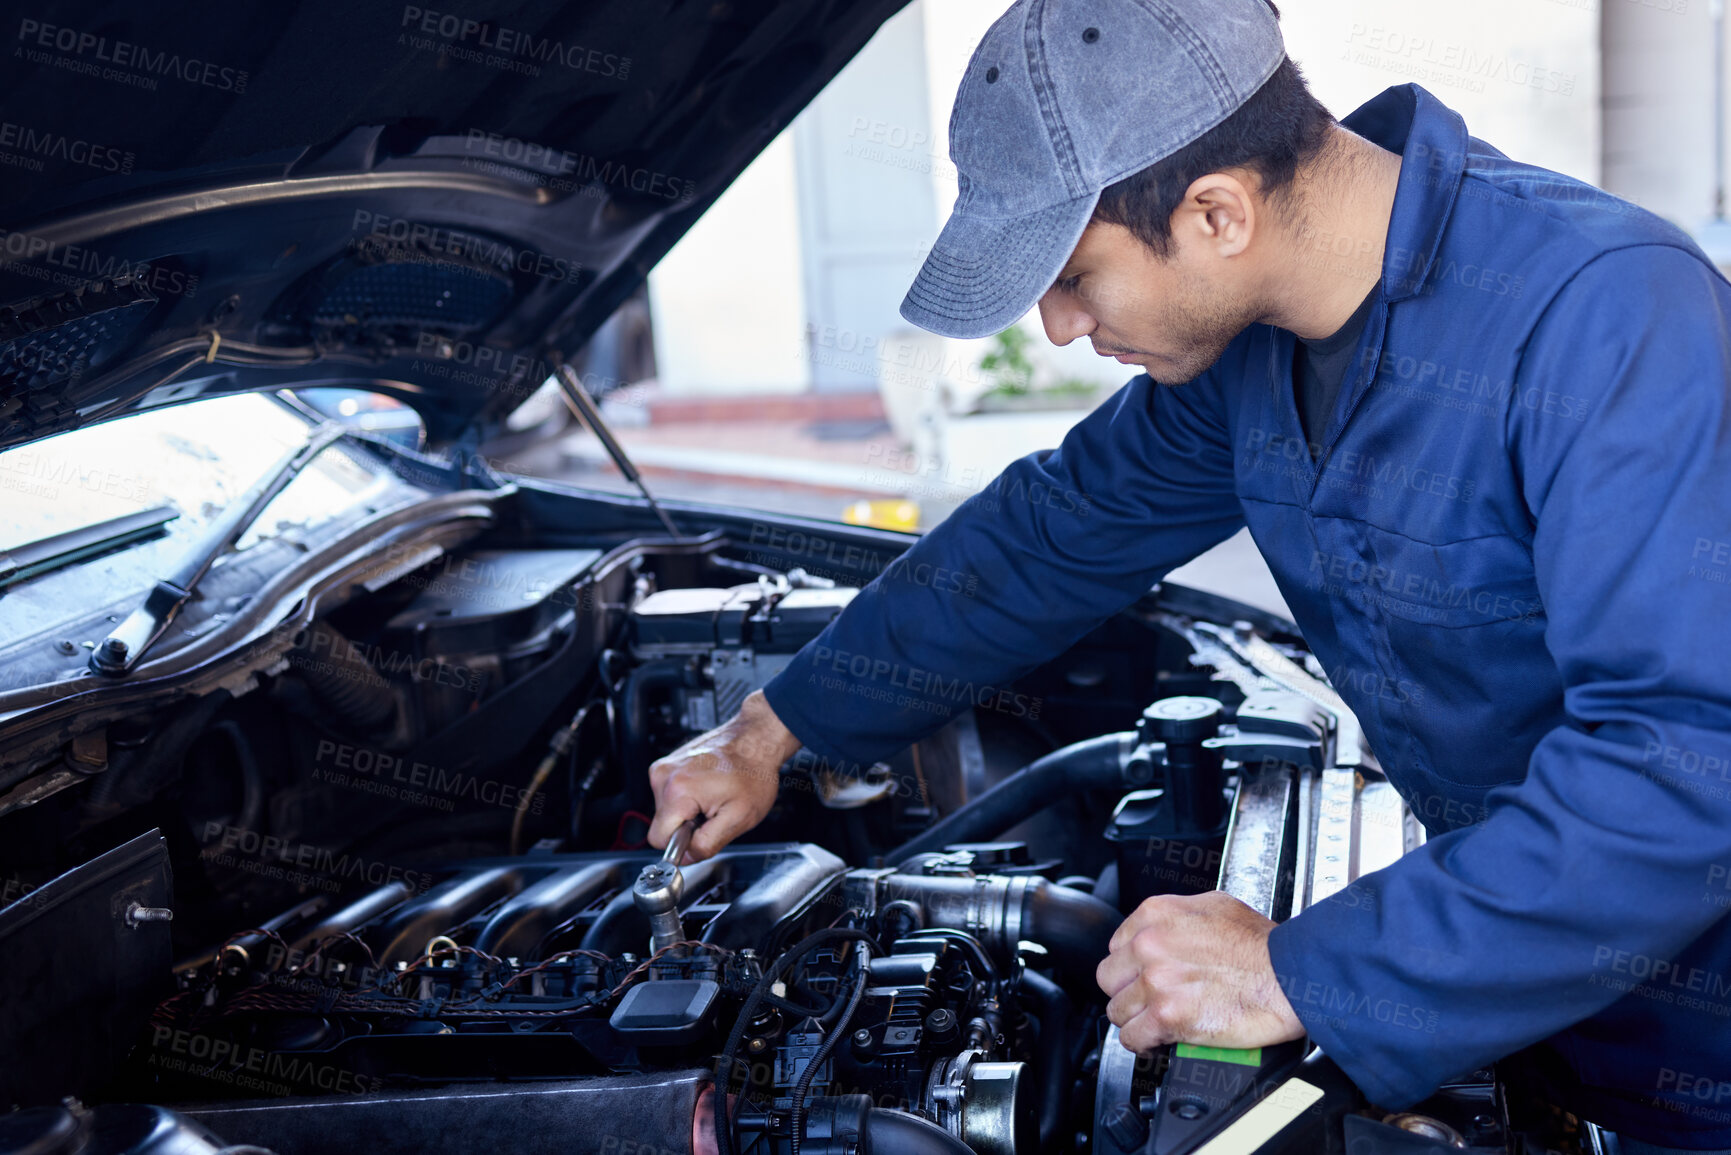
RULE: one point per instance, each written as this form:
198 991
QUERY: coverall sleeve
1061 540
1495 936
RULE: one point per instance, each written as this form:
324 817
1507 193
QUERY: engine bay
391 891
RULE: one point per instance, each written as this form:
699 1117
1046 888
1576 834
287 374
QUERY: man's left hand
1195 969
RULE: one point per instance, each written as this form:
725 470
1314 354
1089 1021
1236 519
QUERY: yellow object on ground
887 513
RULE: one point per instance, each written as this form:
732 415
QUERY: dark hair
1279 128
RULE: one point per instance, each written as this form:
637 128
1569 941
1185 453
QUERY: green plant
1073 386
1008 365
1011 370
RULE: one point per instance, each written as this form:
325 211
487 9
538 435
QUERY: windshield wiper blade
32 559
121 650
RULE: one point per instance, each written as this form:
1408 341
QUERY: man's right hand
729 776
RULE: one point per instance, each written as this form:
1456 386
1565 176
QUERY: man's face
1173 316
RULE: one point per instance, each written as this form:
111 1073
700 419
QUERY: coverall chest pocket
1460 585
1462 622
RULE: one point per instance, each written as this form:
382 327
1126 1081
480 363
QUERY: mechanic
1475 415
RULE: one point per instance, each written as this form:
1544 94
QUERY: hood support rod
590 413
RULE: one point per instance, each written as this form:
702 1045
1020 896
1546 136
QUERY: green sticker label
1250 1058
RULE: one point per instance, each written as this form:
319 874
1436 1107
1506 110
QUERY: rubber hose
1094 764
251 777
1075 928
899 1133
634 746
344 680
1052 1056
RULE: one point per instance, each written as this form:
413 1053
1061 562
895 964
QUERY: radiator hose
890 1132
1001 911
1094 764
1052 1060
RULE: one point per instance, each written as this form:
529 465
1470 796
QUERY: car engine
390 891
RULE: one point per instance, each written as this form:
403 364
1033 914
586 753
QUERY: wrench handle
681 839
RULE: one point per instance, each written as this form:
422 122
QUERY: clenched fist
729 776
1195 969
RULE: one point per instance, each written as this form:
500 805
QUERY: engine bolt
137 913
941 1025
1127 1127
756 1046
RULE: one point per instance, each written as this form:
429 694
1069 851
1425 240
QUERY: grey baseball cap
1061 99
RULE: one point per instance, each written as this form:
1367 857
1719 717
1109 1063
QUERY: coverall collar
1432 141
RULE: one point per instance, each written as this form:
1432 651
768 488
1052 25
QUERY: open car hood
429 204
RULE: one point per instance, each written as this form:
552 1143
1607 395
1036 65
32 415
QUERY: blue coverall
1514 559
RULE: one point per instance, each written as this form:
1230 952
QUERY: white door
865 154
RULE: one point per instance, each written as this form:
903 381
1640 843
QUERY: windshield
195 458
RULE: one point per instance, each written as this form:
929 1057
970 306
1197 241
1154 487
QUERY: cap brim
982 276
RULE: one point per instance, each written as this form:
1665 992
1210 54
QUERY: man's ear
1219 213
